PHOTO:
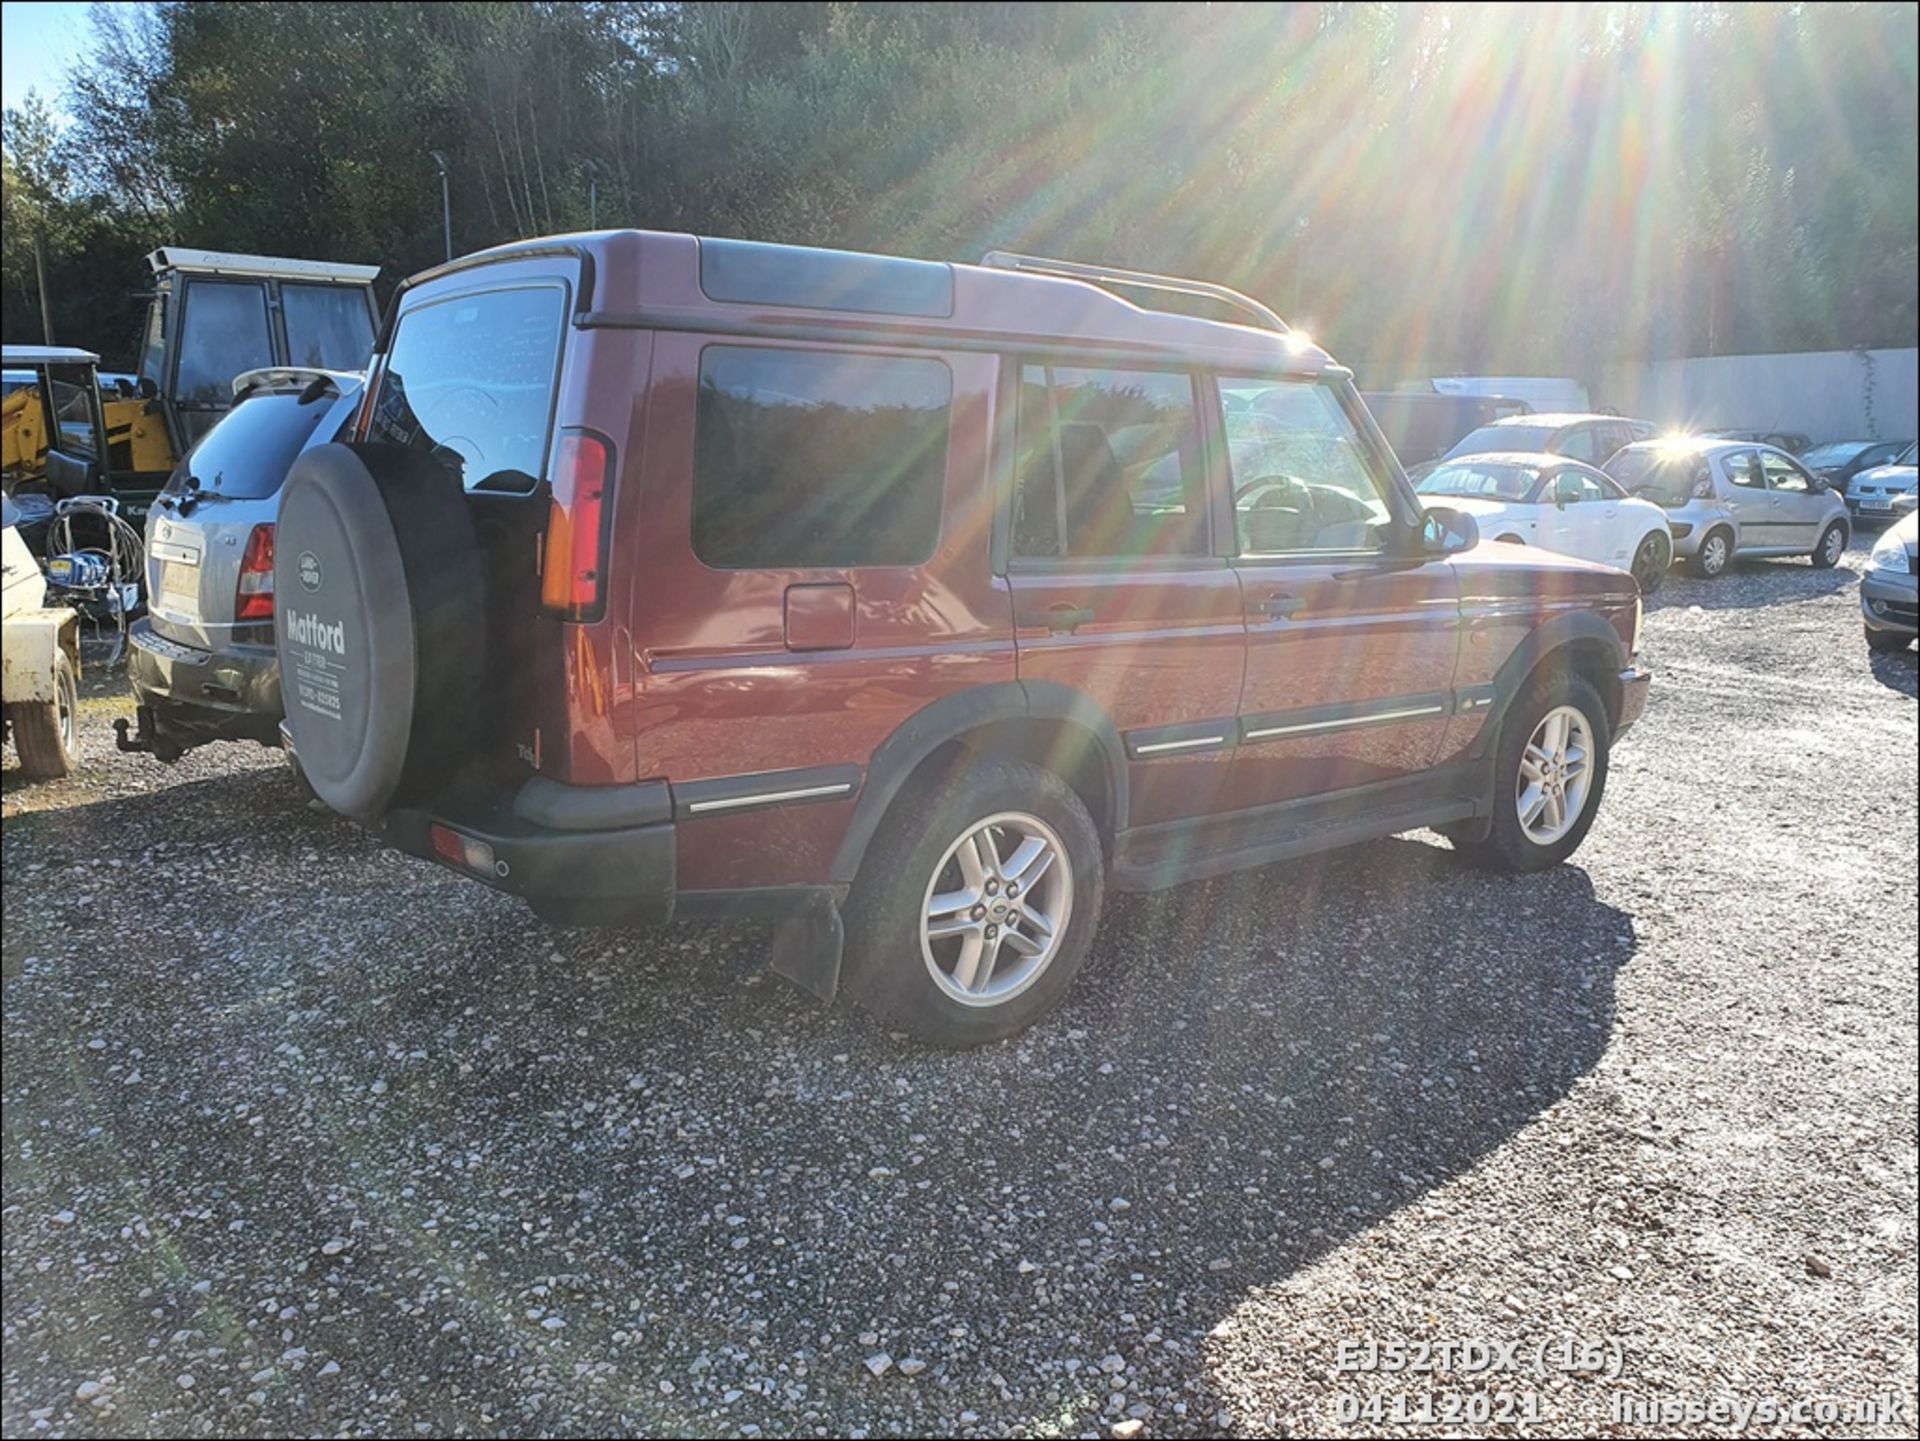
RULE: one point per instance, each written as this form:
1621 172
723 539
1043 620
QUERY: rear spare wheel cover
345 633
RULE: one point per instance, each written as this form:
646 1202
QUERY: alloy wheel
996 909
1556 774
1714 555
67 705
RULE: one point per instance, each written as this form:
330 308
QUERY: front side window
223 332
1302 480
1572 487
1783 474
470 380
817 458
328 326
1107 463
1743 470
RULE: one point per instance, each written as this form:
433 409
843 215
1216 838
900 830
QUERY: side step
1152 858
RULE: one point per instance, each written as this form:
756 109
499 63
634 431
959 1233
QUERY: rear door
1798 508
1350 646
1118 589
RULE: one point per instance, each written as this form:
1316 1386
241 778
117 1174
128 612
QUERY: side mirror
1446 531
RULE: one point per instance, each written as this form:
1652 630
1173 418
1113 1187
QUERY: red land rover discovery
909 605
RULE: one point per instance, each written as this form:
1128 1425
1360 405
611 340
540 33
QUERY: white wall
1827 394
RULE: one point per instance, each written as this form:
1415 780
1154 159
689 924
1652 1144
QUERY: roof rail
1109 275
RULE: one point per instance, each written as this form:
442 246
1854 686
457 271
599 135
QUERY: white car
1533 498
41 654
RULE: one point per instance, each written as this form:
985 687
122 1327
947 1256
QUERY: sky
39 42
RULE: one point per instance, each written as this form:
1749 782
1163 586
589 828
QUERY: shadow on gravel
1897 670
705 1177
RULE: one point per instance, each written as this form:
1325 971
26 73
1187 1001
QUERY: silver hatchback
1731 497
202 660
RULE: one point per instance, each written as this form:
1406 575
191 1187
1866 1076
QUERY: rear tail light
253 597
573 567
459 850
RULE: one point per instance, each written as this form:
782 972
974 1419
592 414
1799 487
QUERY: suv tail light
573 567
253 597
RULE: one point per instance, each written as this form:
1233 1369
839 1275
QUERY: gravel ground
304 1137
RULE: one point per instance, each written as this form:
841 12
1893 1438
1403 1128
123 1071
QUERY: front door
1118 591
1350 645
1798 509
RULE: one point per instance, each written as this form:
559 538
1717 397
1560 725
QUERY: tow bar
147 738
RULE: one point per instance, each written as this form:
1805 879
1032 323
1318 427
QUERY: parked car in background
1727 497
1558 505
1888 490
1591 439
1838 461
1791 441
40 654
201 661
1541 392
1890 590
1422 425
810 628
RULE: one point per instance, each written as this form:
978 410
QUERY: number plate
1875 502
180 586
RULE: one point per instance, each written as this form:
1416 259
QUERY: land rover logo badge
309 570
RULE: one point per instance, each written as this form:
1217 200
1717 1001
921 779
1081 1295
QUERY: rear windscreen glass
1664 477
470 381
247 454
328 326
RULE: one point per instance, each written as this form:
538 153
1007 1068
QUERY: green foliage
1528 187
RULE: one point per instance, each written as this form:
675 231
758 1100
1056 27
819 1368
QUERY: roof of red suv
664 280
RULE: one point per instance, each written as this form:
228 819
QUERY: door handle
1280 607
1056 618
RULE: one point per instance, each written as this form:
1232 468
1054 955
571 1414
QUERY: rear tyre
1833 545
1886 641
46 733
1710 562
1508 540
1650 562
1550 771
977 904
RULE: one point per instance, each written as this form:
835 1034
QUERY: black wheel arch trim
1556 633
953 716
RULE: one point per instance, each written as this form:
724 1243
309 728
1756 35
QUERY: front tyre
977 904
1833 545
1888 642
1550 770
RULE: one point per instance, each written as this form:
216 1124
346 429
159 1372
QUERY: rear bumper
1634 685
561 846
230 694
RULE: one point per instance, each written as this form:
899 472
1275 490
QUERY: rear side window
818 458
222 332
470 381
327 325
247 454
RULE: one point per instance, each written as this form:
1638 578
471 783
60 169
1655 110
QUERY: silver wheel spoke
1026 945
973 866
1029 861
1532 803
967 968
939 928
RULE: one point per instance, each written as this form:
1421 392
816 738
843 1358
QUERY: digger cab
212 315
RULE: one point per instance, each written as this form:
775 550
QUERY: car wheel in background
1550 770
46 732
1710 562
976 905
1833 545
1508 540
1650 562
1887 641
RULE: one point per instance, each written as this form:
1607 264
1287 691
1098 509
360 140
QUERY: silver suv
202 660
1732 497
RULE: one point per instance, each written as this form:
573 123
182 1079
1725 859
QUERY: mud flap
807 948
